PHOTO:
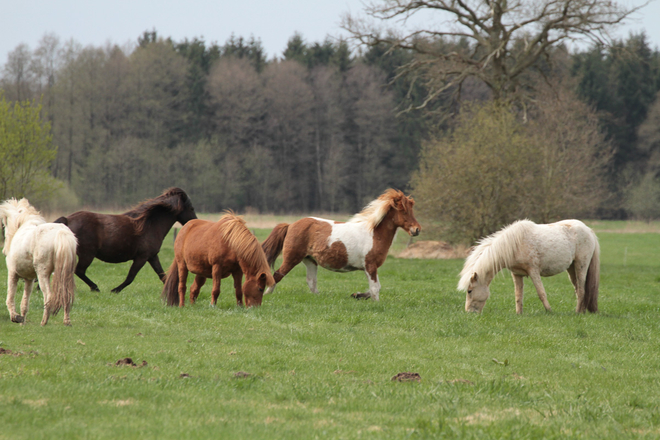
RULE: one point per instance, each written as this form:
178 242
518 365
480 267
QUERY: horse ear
474 278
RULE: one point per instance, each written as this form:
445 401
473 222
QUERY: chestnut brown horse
216 250
361 243
134 235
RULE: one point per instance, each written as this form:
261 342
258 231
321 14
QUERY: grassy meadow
320 366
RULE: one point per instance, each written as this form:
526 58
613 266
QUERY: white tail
62 292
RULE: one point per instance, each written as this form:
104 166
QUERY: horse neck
13 229
384 232
161 223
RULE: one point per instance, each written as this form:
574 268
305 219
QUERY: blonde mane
244 243
14 214
494 253
376 210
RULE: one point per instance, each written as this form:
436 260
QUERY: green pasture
307 366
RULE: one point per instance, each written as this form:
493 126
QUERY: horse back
331 244
560 244
199 246
110 238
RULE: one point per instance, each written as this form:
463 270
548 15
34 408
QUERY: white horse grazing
536 251
35 249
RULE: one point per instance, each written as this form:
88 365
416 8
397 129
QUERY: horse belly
335 258
26 271
555 263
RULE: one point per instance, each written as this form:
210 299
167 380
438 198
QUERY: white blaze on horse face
357 239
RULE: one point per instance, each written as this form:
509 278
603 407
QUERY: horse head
403 214
477 294
186 209
253 289
13 214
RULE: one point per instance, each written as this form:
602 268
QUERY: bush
494 168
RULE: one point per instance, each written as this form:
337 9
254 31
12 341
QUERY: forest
325 127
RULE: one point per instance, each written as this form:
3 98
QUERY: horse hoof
95 289
360 296
17 319
116 290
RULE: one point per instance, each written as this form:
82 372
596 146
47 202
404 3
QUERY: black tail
171 288
272 246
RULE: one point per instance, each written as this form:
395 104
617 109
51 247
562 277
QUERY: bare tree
502 38
18 73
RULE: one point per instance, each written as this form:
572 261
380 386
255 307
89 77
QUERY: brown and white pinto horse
216 250
361 243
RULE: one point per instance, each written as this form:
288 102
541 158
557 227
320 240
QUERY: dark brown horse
217 250
134 235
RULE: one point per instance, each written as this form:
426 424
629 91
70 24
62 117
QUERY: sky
273 22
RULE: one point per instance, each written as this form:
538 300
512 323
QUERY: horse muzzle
414 231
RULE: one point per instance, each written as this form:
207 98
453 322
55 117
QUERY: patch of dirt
241 374
4 351
407 376
184 376
128 361
433 250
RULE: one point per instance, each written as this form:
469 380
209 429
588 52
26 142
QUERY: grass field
320 366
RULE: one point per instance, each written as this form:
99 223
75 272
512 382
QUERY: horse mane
239 238
495 252
377 209
174 200
16 213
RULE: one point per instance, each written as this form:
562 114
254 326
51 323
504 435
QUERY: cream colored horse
35 249
536 251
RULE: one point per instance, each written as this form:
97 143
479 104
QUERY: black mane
174 200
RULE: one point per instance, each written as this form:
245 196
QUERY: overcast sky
97 22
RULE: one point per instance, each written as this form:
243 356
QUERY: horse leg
183 277
290 261
580 274
374 285
572 277
312 269
196 287
217 278
12 281
154 262
536 279
25 302
44 282
132 272
238 288
84 261
518 284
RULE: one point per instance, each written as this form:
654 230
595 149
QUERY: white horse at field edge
35 249
536 251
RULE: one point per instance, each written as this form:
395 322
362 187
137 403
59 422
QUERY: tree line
321 128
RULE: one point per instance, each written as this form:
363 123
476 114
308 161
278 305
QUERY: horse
216 250
35 249
361 243
134 235
536 251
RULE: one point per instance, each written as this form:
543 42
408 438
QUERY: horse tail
171 287
63 290
593 280
272 245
